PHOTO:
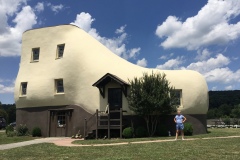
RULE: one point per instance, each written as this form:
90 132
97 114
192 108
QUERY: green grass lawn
6 140
215 132
199 149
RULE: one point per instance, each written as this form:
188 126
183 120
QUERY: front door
115 98
58 123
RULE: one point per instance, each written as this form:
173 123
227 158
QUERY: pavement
66 141
30 142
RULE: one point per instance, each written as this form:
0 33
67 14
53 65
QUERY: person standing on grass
179 120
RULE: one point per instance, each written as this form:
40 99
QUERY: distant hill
217 98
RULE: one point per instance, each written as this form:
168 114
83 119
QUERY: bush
188 129
36 132
128 132
141 132
22 130
9 128
162 130
11 133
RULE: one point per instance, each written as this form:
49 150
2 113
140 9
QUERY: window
178 97
61 116
59 85
35 54
60 50
23 90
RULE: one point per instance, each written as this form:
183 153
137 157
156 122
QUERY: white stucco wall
86 60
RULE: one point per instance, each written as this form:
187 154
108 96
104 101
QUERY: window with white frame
60 50
35 54
177 94
23 90
59 86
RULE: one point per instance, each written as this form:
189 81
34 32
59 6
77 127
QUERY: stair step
110 120
111 127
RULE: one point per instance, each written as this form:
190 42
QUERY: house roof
108 78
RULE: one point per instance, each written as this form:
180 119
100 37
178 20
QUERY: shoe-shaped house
65 75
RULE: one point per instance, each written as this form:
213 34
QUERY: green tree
226 120
235 113
150 98
11 111
211 114
225 109
4 114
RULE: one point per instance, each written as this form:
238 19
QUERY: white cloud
214 88
121 29
164 57
171 64
39 7
211 26
142 62
55 8
210 64
132 53
10 7
229 87
203 55
7 88
10 35
216 70
116 44
235 58
84 21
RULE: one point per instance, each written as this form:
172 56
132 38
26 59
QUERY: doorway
58 123
115 98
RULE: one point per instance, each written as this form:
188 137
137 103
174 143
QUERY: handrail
86 124
97 120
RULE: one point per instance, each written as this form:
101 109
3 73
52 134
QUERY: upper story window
23 89
178 97
60 50
35 54
59 86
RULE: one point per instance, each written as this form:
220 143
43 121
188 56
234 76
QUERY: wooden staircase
103 120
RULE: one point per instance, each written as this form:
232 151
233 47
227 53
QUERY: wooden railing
89 123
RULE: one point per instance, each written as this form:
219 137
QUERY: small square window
178 97
59 86
23 90
60 50
35 54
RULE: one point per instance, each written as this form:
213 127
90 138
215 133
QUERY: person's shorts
179 126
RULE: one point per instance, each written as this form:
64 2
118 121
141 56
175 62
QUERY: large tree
151 96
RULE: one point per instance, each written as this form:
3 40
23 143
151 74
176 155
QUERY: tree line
224 104
8 111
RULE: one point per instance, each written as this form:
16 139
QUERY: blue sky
164 34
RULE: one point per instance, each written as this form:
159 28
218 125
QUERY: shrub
188 129
9 128
162 130
36 132
141 132
22 130
11 133
128 132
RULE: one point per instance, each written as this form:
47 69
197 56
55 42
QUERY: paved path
35 141
66 141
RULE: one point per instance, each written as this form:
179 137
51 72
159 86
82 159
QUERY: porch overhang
101 83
